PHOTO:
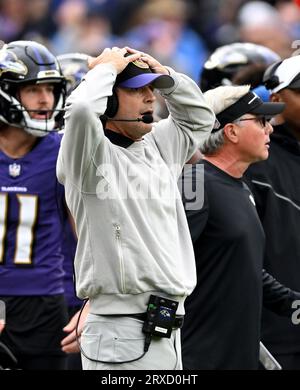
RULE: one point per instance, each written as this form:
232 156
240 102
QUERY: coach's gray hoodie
133 238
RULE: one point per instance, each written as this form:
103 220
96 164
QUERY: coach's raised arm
120 172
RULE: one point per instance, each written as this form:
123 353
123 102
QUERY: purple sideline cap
137 74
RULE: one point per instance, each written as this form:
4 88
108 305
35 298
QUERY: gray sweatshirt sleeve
190 120
83 129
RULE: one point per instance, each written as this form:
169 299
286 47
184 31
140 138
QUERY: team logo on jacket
14 170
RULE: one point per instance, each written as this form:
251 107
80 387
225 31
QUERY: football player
32 94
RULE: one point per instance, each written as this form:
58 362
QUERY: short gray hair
219 99
213 143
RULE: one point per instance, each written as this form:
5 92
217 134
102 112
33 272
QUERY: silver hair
213 143
219 99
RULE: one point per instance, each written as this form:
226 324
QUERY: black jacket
276 187
223 314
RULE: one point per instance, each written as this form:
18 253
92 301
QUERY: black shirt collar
118 139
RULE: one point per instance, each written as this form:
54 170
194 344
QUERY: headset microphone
147 118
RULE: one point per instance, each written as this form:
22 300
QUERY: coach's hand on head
154 65
116 56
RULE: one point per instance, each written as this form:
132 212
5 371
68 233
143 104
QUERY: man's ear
275 98
231 132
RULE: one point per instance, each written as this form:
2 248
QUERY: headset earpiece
112 105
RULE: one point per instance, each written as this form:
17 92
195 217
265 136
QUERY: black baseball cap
138 74
249 103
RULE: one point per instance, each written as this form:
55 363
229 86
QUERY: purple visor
156 79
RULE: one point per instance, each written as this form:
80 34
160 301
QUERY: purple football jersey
31 212
68 250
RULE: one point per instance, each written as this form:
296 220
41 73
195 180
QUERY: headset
112 104
113 101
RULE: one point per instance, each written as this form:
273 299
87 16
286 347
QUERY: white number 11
28 205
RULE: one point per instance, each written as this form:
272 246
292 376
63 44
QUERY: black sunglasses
262 120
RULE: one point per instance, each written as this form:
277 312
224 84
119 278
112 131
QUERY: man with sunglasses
222 322
277 194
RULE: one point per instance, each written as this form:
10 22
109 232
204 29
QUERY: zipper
121 259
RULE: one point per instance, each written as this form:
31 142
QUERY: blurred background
179 33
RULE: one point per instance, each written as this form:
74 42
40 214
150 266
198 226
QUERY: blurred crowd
180 33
